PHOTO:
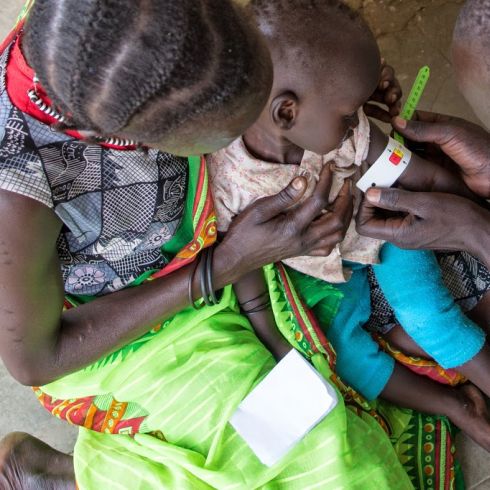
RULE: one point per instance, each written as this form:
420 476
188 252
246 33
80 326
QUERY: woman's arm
253 296
39 343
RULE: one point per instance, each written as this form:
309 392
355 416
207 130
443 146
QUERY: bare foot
29 464
471 414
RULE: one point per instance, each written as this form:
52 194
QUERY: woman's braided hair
141 68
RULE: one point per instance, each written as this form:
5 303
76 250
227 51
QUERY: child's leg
464 406
478 370
412 283
399 339
360 362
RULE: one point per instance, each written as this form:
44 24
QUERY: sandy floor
411 33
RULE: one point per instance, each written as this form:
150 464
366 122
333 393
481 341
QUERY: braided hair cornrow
141 68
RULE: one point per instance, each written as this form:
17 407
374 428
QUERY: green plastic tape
414 98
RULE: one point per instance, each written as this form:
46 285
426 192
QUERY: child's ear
284 110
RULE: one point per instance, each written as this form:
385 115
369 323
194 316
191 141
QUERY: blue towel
412 283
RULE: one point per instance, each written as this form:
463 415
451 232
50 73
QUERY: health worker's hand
454 143
426 220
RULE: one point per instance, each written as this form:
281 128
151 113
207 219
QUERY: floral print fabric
238 179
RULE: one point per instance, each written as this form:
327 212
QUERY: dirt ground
411 33
414 33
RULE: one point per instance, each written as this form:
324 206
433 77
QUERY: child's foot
27 463
471 414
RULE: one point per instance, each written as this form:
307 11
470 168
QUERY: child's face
328 113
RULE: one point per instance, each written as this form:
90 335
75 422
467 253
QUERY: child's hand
388 93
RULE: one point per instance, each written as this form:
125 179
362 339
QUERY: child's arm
253 297
421 175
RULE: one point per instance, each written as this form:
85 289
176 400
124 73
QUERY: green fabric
425 446
190 378
185 232
323 298
423 443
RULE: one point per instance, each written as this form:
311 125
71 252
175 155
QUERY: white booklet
291 400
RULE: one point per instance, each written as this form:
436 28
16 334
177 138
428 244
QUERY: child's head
471 56
326 66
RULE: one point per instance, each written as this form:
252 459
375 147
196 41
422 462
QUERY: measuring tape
395 159
414 98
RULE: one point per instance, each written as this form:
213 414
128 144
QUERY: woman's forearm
91 331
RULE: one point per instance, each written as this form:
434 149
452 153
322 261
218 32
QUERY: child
326 66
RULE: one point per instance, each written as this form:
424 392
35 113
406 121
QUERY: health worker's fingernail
400 122
373 195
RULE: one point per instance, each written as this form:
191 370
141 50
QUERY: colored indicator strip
414 98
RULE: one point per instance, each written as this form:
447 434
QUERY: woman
91 93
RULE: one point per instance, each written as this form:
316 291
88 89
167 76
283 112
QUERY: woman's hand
426 220
275 228
388 93
464 146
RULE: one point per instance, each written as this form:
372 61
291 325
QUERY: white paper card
291 400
